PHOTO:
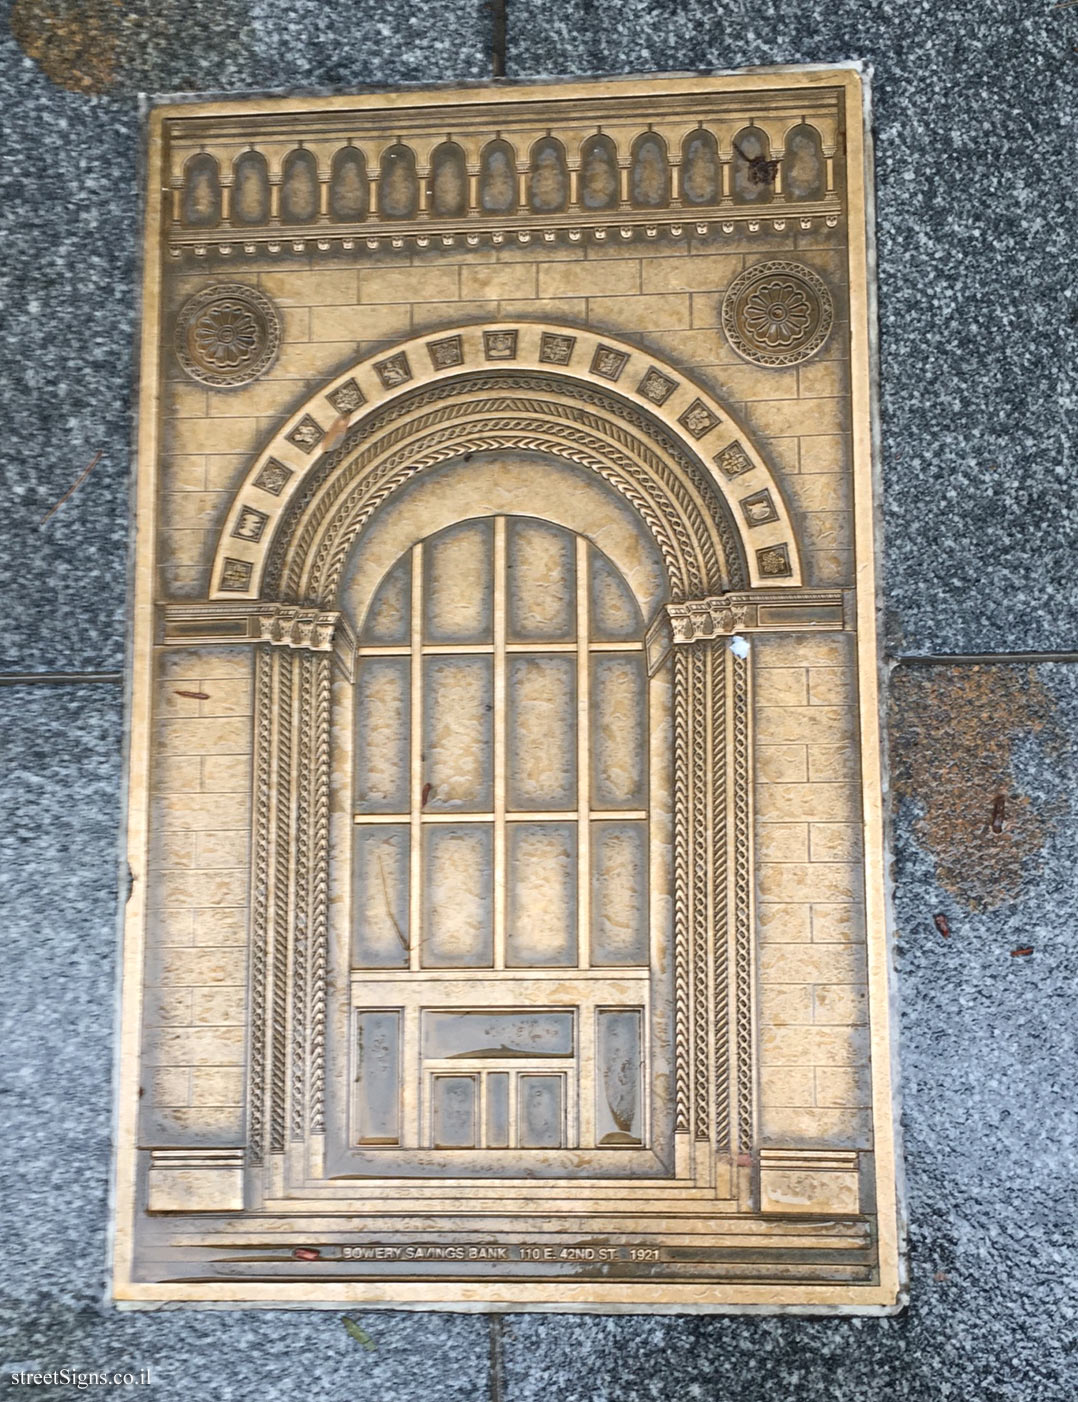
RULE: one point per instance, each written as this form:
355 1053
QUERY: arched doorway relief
678 461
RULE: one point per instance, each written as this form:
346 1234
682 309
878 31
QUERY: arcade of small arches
597 175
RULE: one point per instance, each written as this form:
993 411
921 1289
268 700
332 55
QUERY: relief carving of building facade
508 923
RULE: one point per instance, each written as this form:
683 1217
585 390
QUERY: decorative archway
676 454
718 519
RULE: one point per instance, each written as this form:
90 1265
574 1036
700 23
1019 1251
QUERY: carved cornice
280 625
778 610
673 224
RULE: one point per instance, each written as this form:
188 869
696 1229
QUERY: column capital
286 625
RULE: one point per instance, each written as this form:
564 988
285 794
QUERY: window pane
540 1112
377 1091
454 1112
499 1034
459 602
619 891
541 927
617 719
382 725
457 930
381 895
541 732
618 1118
615 615
388 616
541 582
457 734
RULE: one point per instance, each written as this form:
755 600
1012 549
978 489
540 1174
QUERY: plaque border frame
628 1297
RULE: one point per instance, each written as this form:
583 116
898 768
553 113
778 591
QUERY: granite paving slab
977 247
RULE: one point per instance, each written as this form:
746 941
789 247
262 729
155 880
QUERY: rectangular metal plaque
507 924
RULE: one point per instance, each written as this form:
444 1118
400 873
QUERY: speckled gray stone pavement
977 150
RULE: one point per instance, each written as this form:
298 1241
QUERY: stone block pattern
812 995
198 895
655 295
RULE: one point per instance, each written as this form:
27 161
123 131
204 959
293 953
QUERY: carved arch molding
745 1194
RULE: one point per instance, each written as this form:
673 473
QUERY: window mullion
500 758
415 868
583 761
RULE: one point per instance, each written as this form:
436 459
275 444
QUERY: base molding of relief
810 1181
195 1180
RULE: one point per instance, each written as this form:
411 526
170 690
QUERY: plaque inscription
507 925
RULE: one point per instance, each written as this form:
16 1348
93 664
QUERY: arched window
250 189
448 181
498 178
700 174
299 188
349 187
201 192
804 174
599 176
548 184
503 769
398 188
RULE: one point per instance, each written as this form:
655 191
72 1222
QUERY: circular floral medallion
777 313
227 335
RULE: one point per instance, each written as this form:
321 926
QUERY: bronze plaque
507 925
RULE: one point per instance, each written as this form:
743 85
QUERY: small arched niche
754 179
349 186
398 187
701 173
250 189
599 176
299 188
804 172
498 178
201 205
649 172
548 183
448 181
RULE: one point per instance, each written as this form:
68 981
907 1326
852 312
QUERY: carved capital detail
766 610
306 629
700 619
